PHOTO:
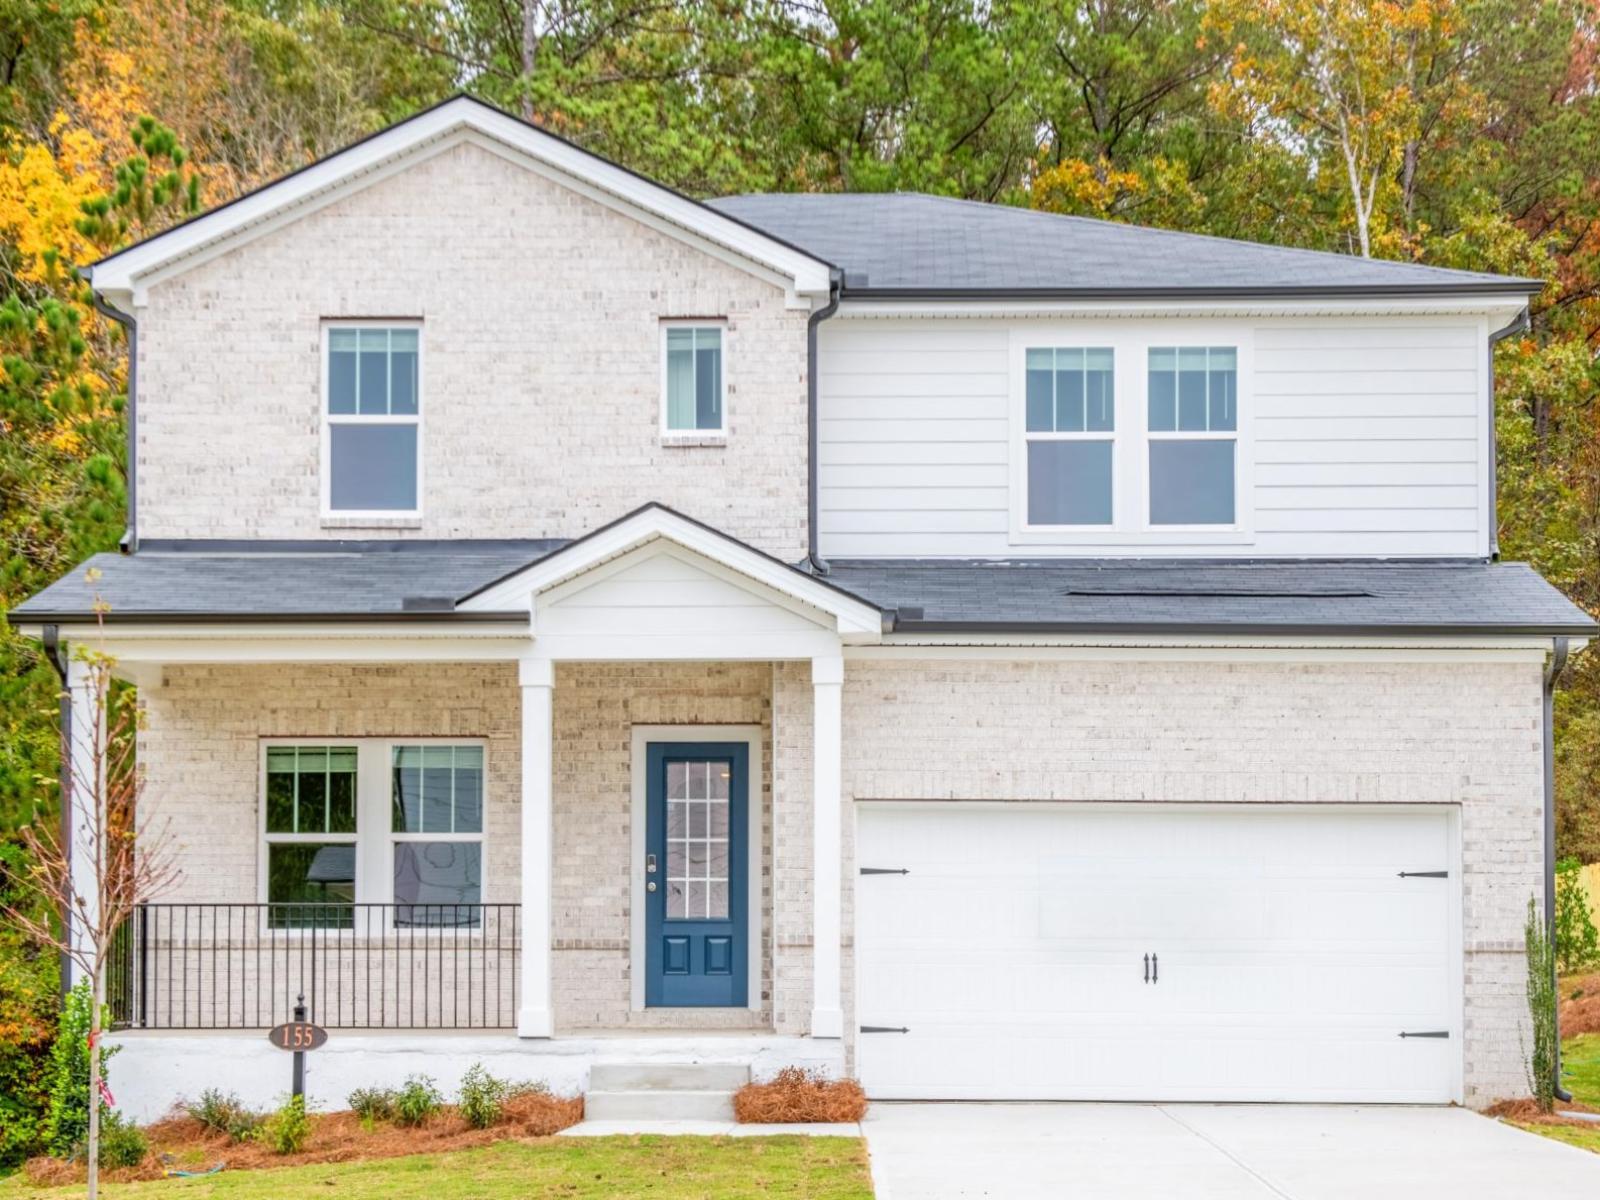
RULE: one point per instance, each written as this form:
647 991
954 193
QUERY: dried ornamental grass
795 1095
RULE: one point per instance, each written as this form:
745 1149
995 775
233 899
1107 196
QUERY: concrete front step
659 1105
668 1077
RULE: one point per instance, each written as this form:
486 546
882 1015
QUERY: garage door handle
884 1029
1425 1033
1424 874
1147 968
1155 968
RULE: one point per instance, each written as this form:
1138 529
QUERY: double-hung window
371 459
1070 431
437 833
693 392
311 832
396 823
1193 430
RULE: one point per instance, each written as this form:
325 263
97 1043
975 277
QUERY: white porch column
827 679
87 731
537 677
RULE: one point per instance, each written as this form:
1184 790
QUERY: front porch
531 843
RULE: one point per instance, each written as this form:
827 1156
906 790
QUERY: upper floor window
692 383
1070 430
1194 421
373 419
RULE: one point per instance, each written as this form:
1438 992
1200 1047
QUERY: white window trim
755 817
374 838
1234 435
691 437
1112 435
377 516
1130 342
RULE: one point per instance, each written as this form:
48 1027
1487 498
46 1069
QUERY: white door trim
643 735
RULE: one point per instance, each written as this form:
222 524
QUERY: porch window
437 834
697 840
311 833
692 384
373 420
1194 422
1070 430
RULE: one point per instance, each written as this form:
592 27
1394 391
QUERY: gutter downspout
1520 324
815 563
1558 660
130 538
56 652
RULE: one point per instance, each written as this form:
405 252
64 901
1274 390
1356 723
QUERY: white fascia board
120 277
1464 305
852 617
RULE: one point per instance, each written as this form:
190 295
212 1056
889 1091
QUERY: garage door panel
1291 953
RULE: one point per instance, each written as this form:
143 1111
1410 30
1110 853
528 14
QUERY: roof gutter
130 538
1495 287
1552 670
916 625
1520 324
55 651
814 560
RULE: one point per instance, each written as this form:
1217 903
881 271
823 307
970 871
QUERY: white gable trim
123 277
848 617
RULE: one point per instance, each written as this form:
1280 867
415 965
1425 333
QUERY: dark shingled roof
906 243
1278 597
274 582
396 579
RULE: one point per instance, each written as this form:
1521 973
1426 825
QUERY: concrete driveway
1213 1152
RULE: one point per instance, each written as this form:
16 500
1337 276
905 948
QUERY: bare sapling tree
105 866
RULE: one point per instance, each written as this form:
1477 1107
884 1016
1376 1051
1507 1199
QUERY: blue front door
695 871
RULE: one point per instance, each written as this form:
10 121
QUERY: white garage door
1157 952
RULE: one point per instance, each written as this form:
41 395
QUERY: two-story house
989 653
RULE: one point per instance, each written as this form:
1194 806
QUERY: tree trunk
94 1084
530 56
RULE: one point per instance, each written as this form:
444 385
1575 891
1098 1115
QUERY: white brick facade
1465 734
541 368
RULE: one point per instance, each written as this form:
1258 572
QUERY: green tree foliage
67 1121
1577 939
1545 1051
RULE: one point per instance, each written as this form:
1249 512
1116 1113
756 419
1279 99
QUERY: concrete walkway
1213 1152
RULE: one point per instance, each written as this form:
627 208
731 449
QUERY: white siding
1359 436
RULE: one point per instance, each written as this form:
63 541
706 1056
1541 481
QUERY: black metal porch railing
359 966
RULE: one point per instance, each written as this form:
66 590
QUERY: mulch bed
335 1137
1526 1112
795 1095
1580 1005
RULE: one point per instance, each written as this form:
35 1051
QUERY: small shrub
483 1097
796 1095
1542 1058
417 1101
1577 939
122 1143
67 1122
224 1112
372 1104
286 1130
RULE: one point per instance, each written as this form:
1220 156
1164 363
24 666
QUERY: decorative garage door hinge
1427 1033
884 1029
886 870
1424 874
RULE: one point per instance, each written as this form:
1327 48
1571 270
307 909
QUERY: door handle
1147 968
649 864
1155 968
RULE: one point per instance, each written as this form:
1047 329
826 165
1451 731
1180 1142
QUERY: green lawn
660 1168
1580 1060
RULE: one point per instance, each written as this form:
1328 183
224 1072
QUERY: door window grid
697 840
